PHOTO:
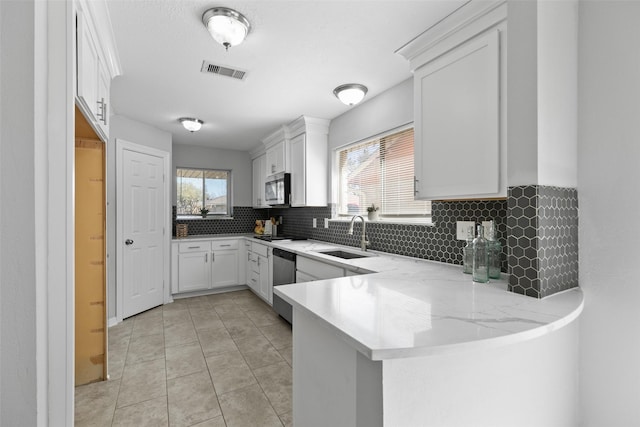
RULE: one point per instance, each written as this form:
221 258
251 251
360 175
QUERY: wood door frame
121 146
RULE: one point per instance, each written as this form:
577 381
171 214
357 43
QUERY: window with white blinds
380 172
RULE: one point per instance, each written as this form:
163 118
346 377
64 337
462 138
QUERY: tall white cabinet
460 105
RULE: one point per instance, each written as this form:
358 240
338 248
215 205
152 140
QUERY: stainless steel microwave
277 189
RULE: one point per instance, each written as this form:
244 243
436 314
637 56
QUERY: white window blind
380 172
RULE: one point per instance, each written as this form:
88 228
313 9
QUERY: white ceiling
295 55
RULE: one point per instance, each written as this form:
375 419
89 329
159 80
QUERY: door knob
128 242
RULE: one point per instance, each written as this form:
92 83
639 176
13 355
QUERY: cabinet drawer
262 250
194 247
218 245
318 269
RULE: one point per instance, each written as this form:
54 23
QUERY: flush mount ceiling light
351 93
226 26
191 124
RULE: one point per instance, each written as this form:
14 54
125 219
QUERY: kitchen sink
344 254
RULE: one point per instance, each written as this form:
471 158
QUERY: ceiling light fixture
191 124
226 26
351 93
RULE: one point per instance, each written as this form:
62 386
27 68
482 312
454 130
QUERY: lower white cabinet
259 271
205 264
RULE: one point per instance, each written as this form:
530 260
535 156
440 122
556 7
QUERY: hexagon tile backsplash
542 230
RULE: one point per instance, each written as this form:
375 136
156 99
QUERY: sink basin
343 254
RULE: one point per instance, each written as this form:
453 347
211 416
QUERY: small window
203 188
379 172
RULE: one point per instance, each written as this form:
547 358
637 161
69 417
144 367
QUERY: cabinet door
194 271
298 171
259 176
224 268
87 62
265 289
457 129
276 159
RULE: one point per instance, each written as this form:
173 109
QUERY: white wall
608 179
130 130
390 109
239 162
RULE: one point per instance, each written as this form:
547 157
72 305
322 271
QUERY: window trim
210 215
389 219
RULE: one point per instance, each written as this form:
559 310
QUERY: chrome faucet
364 242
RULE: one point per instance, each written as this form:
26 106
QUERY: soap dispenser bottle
467 252
480 257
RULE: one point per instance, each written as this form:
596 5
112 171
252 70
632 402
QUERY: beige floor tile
120 334
95 403
142 381
229 372
287 354
177 305
184 359
213 422
151 413
250 303
248 407
287 419
252 344
117 355
216 341
179 334
201 302
147 347
259 359
229 311
153 313
279 334
241 328
241 294
263 316
192 399
176 316
276 381
149 326
206 319
220 299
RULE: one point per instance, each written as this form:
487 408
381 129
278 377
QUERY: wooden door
90 210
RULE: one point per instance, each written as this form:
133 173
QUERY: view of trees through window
203 188
380 172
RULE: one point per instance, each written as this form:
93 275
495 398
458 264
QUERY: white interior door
142 239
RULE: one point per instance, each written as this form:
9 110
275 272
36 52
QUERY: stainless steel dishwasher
284 273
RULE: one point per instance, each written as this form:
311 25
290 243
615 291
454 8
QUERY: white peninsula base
527 383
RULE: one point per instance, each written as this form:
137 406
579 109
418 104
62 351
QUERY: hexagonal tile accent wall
542 229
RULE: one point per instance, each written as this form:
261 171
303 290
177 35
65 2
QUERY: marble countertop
410 307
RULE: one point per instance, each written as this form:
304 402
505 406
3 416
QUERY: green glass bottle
480 257
495 250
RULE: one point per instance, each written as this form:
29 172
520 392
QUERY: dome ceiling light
226 26
351 93
191 124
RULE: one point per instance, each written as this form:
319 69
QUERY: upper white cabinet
309 161
277 152
97 63
459 104
259 176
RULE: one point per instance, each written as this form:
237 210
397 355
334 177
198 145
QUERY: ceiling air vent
208 67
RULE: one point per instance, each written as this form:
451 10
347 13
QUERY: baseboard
112 321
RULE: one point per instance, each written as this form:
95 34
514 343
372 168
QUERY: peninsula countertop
410 307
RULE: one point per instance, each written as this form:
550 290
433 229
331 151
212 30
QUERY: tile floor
215 360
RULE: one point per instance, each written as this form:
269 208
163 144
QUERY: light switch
462 227
326 223
315 222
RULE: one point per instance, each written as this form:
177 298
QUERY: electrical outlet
315 222
462 227
326 223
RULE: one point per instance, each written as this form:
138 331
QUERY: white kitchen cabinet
206 264
194 267
93 76
312 269
259 177
276 161
459 105
259 273
309 161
